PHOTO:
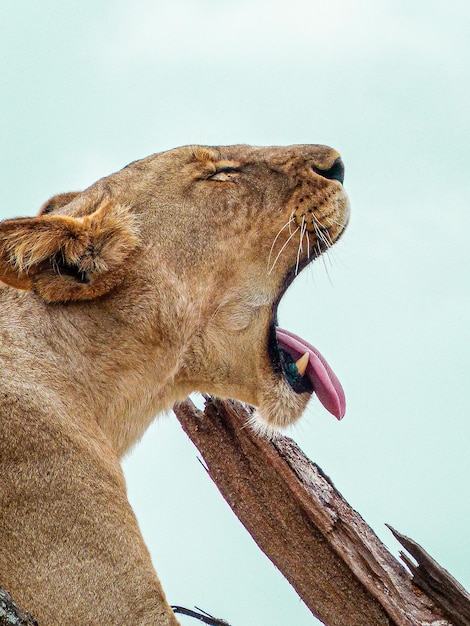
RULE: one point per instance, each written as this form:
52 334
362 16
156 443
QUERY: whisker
291 219
303 228
330 220
326 240
326 270
282 249
322 254
324 235
308 243
320 237
277 236
330 250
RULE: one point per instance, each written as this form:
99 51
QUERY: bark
334 561
436 582
11 614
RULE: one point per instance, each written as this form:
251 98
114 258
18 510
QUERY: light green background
87 87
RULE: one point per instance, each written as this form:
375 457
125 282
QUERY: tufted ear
68 258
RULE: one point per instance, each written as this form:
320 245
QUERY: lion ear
58 201
68 258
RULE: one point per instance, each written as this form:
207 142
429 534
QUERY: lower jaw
279 407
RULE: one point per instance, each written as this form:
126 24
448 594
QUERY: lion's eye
225 174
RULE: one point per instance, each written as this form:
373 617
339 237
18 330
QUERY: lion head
175 267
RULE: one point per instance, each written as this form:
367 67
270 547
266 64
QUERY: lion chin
278 409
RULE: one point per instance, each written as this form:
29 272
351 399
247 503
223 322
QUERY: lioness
159 280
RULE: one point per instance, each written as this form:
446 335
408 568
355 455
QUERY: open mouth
304 368
297 364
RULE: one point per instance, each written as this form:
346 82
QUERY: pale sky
87 87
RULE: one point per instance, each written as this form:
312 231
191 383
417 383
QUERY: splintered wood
332 558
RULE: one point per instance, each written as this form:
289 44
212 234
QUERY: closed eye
225 174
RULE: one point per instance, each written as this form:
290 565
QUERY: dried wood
436 581
332 558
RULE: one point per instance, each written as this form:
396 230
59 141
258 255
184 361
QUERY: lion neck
105 362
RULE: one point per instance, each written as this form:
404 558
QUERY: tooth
302 363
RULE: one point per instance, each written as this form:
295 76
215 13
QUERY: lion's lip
319 374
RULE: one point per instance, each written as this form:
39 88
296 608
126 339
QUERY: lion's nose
335 172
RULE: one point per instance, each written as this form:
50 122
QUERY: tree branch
335 562
202 617
11 614
435 581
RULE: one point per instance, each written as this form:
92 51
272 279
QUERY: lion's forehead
273 155
282 158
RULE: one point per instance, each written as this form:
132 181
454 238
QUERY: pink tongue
324 381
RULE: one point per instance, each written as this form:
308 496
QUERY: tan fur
156 281
57 201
